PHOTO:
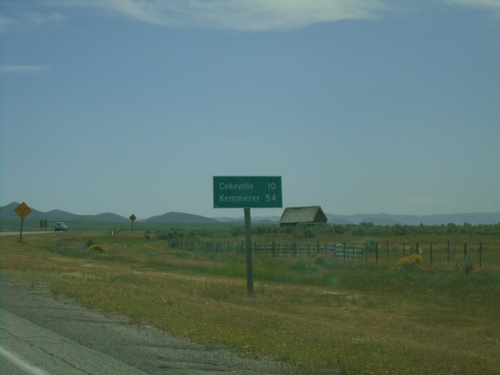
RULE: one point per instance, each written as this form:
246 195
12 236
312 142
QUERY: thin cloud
241 15
28 20
6 22
485 4
22 68
244 15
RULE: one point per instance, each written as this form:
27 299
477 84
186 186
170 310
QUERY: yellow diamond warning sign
23 210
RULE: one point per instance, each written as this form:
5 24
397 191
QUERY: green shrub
90 241
465 265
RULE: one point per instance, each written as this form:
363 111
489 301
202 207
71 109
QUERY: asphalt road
40 335
24 233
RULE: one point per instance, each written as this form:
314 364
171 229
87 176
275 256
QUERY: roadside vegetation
399 315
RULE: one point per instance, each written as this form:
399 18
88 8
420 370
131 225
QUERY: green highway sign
247 192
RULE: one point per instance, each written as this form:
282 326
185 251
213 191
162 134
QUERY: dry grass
367 320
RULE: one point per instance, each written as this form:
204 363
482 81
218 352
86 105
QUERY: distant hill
179 218
58 215
107 216
387 219
7 212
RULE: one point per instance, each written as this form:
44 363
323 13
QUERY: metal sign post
132 219
22 211
247 192
248 246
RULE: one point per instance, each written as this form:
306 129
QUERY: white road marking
20 363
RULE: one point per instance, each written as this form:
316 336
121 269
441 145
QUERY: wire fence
357 252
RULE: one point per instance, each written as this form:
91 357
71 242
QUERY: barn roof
309 214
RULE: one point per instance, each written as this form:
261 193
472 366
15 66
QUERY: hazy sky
362 106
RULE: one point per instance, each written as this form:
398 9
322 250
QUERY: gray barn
304 215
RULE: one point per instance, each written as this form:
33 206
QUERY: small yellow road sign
23 210
132 217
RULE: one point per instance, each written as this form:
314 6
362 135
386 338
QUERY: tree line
303 231
371 229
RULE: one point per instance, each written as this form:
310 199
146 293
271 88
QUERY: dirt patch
141 347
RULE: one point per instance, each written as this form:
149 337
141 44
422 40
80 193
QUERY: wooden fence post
480 253
431 253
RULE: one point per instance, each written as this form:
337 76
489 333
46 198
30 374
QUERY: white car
60 226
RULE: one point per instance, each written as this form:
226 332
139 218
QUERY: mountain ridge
179 218
8 212
474 218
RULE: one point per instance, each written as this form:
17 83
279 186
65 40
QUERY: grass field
322 314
